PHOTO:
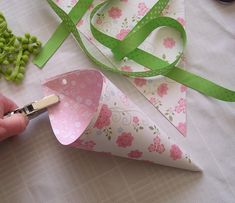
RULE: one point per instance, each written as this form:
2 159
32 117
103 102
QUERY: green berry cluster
15 52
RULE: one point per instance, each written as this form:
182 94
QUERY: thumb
13 125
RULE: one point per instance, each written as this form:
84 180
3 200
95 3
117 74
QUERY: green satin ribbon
61 32
129 47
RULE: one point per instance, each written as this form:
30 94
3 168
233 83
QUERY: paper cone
116 20
93 114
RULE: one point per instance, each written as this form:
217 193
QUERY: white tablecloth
34 167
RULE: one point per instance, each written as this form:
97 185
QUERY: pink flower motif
182 128
160 148
181 106
136 120
124 0
182 102
125 140
87 145
181 21
78 143
183 88
135 154
169 43
175 152
104 117
115 12
152 148
156 146
80 23
98 21
126 68
140 81
143 9
124 99
122 34
162 89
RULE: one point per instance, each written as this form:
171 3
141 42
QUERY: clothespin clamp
35 108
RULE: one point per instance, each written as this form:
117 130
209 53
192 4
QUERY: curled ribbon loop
129 47
131 42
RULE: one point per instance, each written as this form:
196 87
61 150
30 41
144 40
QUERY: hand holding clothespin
14 120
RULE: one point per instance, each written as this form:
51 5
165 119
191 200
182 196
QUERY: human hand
12 125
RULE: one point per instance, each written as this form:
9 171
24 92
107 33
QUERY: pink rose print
125 140
182 128
87 145
122 34
140 81
115 12
156 146
136 120
98 21
79 142
80 23
135 154
143 9
175 152
181 21
104 117
126 68
183 88
162 89
169 43
181 106
124 99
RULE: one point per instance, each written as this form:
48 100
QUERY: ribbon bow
128 47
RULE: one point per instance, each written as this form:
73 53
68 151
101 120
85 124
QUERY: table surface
34 167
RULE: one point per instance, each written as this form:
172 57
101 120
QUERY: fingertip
15 124
6 105
21 121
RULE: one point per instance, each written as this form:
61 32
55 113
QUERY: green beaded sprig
15 52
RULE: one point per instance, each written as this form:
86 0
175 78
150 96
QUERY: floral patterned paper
93 114
117 20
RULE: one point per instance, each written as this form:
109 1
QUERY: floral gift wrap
95 115
117 19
